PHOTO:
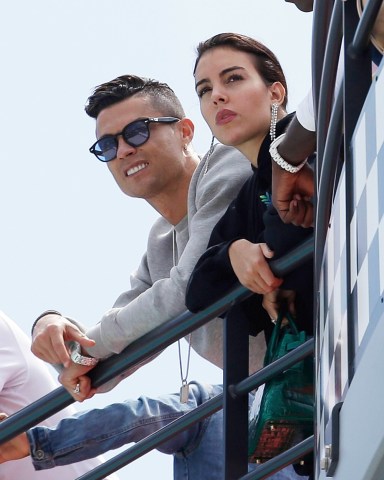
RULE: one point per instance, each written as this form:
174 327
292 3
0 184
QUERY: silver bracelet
77 357
276 157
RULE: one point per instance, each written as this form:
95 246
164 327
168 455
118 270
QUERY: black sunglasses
135 134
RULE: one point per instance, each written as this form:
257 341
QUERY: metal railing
154 342
338 113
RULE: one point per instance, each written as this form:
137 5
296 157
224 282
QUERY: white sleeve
305 112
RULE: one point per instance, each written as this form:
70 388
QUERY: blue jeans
198 452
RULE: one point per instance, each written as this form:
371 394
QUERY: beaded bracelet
276 157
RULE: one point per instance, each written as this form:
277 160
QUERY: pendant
184 391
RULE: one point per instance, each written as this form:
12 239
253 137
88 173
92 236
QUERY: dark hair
266 62
125 86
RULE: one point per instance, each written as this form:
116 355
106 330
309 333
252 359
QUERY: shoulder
17 360
10 332
227 158
223 164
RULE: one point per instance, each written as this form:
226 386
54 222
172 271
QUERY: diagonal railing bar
286 458
34 413
364 28
273 369
148 344
155 439
294 259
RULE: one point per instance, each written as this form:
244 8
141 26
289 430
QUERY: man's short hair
162 96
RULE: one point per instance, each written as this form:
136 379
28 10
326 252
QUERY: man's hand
49 337
75 380
292 193
249 263
14 449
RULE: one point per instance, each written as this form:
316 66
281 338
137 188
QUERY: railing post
236 359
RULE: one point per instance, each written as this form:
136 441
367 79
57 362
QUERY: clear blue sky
69 237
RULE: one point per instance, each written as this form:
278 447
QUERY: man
145 139
24 379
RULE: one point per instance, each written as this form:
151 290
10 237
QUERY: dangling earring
272 128
210 151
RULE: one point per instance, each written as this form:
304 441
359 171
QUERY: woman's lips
224 116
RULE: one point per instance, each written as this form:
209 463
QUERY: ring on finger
77 388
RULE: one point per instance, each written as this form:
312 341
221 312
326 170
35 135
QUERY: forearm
297 144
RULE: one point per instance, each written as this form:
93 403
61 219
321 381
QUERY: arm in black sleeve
213 275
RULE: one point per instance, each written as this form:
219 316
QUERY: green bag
282 413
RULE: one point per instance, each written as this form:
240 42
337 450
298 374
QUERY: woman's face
234 99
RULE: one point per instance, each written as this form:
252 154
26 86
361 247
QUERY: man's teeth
133 170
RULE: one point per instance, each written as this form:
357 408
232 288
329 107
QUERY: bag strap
277 332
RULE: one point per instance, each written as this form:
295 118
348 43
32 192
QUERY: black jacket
252 217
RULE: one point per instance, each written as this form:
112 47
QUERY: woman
243 98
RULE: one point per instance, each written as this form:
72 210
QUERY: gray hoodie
158 287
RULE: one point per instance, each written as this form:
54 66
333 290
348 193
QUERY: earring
272 128
185 148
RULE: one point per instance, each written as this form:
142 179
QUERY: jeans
198 452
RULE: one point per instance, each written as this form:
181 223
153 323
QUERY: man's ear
187 130
277 92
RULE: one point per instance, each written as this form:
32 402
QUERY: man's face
303 5
153 168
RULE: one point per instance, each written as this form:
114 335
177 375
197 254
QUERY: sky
69 236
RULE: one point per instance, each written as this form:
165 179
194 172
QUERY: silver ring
77 388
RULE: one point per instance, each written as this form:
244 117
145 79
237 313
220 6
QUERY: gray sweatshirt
157 292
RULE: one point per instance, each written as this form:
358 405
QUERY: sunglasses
135 134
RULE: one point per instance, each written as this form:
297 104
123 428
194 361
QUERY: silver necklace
210 151
184 389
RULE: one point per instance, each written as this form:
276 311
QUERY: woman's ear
187 130
277 92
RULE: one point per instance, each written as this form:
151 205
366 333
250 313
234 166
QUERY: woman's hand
274 301
249 263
